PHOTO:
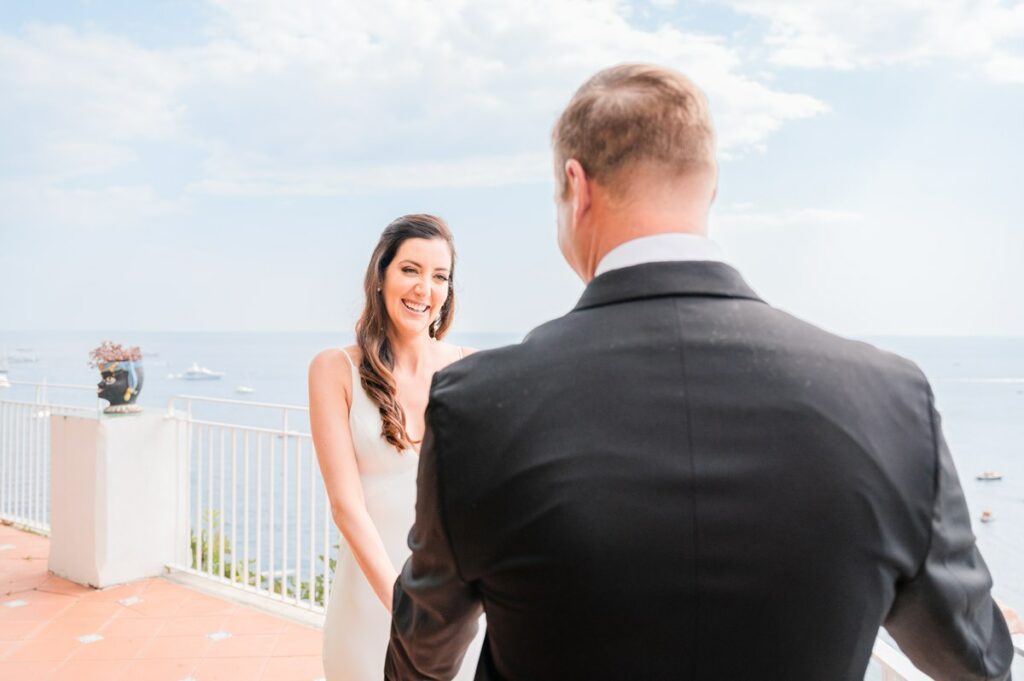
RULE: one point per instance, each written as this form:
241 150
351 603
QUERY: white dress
357 628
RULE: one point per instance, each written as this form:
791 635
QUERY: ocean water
978 383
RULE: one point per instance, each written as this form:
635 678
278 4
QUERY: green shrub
208 559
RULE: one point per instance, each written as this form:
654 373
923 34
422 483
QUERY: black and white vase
120 385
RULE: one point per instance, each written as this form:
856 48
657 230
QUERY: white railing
894 665
25 453
41 395
258 516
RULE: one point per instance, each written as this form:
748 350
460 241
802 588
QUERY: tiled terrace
150 630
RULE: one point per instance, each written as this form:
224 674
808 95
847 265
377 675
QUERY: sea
978 384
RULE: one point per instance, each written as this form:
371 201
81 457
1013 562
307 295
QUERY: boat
4 380
245 389
198 373
990 475
23 356
987 516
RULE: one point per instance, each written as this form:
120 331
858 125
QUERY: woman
366 406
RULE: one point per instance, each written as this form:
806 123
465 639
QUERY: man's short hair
632 114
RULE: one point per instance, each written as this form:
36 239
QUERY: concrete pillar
118 497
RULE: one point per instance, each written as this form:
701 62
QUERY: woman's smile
418 308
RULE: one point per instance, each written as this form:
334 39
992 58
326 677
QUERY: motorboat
990 475
198 373
987 516
23 356
245 390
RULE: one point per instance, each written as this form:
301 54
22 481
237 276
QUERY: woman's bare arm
330 390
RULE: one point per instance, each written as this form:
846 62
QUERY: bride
366 407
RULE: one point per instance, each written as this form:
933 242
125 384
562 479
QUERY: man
675 480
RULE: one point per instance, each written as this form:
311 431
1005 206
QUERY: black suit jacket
678 481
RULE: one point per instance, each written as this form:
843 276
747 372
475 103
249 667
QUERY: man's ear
714 192
579 188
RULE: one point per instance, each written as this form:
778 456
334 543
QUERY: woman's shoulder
454 353
347 354
333 366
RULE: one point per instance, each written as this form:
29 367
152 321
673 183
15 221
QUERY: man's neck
638 228
650 204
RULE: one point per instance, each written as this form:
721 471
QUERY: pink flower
109 351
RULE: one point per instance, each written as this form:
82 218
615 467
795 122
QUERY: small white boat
4 381
245 390
987 516
990 475
23 356
198 373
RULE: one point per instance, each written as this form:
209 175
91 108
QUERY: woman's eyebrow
406 261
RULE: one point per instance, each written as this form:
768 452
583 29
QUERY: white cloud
85 86
106 210
325 96
748 215
845 35
61 159
450 86
1005 68
78 107
226 176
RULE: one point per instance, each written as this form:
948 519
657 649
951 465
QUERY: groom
676 480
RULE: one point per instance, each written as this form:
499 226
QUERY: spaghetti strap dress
357 628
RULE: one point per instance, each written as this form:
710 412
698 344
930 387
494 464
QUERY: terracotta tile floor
150 630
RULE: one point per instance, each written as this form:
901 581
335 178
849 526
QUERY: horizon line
476 332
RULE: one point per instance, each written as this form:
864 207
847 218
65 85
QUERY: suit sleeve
944 618
435 612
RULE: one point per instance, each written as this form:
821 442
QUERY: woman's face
416 284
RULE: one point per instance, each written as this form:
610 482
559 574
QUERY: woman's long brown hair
375 369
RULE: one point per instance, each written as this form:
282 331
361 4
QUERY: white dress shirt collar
670 247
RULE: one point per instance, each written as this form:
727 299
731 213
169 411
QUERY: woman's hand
388 601
1013 620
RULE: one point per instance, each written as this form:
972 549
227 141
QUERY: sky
227 165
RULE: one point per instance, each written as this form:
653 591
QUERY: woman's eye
409 270
441 277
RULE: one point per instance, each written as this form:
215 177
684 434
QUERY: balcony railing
25 452
258 514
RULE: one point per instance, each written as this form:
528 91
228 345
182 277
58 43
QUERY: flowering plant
109 351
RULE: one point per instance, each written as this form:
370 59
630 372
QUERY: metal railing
258 515
894 665
25 453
